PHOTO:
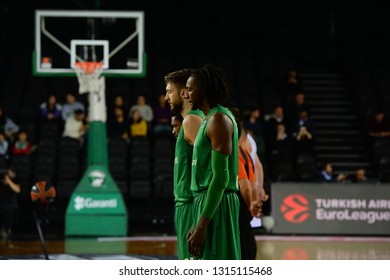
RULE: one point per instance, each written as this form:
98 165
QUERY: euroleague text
216 271
369 211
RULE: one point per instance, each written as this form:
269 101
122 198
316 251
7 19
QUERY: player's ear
184 93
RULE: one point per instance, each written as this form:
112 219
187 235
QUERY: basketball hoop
88 74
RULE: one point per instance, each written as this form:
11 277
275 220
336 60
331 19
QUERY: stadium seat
139 146
22 165
65 188
68 146
384 169
163 147
44 168
140 188
306 168
47 147
48 130
139 168
123 188
117 147
68 167
117 166
162 168
3 162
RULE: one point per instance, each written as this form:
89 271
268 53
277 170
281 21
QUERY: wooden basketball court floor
269 247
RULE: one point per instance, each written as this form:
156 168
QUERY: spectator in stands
144 109
280 155
120 102
303 120
379 126
50 110
22 145
360 176
304 134
162 114
118 125
8 126
253 123
292 84
176 122
138 126
282 144
117 102
71 105
327 175
296 106
273 122
4 146
9 189
76 126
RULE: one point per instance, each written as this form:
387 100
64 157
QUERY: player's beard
177 107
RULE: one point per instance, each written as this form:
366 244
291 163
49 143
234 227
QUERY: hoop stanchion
96 206
88 74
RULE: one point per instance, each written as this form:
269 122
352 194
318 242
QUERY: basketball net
88 74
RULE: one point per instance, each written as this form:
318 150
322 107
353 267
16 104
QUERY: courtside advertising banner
353 209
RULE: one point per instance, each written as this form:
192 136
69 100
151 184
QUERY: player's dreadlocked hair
212 85
178 77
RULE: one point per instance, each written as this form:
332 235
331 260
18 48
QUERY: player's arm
256 202
259 172
219 131
247 183
244 182
14 187
191 124
246 192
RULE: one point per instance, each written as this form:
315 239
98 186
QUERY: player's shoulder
189 118
220 118
196 112
220 124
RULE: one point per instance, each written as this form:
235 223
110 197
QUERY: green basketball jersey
182 166
201 159
222 240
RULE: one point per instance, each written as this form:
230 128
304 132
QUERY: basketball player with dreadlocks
177 97
215 234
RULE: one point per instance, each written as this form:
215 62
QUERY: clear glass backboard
64 37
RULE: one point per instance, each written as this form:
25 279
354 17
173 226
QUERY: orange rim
89 66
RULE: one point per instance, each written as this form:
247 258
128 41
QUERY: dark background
255 43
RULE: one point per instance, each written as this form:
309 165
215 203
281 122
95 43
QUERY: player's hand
262 195
255 209
7 180
196 242
190 232
197 237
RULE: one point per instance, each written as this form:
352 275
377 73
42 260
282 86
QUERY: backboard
64 37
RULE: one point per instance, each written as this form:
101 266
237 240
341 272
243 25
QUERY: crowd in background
284 136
